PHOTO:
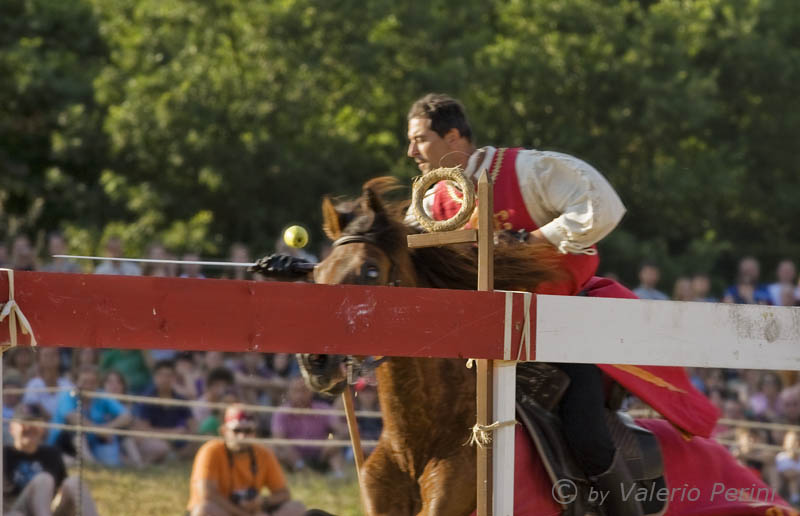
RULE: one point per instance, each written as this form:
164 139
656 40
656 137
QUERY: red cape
699 474
666 389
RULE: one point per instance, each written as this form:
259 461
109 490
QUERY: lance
297 267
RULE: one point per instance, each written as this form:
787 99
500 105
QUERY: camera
243 495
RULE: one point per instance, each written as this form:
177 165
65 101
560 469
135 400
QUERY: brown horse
421 465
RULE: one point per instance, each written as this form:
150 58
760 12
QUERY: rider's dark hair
444 112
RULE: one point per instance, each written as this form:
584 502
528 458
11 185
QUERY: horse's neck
425 400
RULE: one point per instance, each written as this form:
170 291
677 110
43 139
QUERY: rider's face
425 146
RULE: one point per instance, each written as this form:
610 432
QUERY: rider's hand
280 266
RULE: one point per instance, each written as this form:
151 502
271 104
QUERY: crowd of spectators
46 378
757 396
274 380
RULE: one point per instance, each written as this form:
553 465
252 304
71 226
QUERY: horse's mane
516 266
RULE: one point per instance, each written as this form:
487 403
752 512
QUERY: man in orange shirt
228 475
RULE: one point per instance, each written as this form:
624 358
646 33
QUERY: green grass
164 491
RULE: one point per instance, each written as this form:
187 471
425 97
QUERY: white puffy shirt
572 203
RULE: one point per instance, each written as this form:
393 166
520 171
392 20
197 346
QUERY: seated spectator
11 400
682 291
187 377
213 422
228 475
218 383
749 453
240 254
83 357
114 383
191 270
157 251
764 404
254 380
163 418
131 363
23 360
22 256
747 289
208 361
649 274
49 369
789 403
787 463
789 296
701 288
103 412
114 250
57 245
35 477
786 274
286 425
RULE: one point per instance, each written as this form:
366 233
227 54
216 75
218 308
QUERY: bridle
367 239
362 365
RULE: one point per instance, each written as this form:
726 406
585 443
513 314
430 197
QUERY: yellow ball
295 236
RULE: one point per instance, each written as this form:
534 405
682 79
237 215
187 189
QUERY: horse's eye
372 272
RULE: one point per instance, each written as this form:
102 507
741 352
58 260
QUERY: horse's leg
388 490
447 486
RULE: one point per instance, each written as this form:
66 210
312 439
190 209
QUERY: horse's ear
371 201
331 221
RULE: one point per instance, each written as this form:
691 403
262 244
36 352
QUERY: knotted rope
12 310
482 434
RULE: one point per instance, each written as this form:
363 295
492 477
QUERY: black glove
509 237
282 266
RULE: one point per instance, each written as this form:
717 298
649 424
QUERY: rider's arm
582 206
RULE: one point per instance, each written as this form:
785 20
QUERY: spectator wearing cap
308 426
229 474
34 475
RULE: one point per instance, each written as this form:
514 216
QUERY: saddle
539 389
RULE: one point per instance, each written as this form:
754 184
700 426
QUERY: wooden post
355 441
485 367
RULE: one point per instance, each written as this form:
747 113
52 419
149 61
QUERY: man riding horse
557 199
546 197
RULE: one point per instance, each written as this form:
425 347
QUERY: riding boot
617 482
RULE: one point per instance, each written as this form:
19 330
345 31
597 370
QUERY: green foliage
203 123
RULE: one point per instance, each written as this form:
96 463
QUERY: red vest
510 213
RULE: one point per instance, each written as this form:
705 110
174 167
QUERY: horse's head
369 248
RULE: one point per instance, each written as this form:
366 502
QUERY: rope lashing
12 310
482 434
